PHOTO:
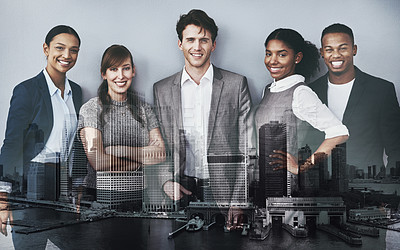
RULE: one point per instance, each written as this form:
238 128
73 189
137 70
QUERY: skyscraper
273 183
339 175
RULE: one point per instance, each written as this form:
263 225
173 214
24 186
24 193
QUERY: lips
196 55
63 63
274 69
120 84
337 64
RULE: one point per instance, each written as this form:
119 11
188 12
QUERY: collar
52 87
286 83
208 75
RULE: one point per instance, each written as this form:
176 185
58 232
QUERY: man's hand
5 214
169 188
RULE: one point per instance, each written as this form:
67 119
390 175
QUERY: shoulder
33 83
168 80
372 81
226 74
319 82
91 105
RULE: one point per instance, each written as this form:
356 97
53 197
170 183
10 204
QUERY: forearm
328 144
105 162
148 155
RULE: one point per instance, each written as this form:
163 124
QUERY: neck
118 97
342 78
196 73
58 79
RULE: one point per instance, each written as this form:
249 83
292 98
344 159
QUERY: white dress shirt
64 124
196 102
338 96
308 107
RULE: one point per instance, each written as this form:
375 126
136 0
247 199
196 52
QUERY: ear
298 57
213 46
133 71
321 52
45 49
354 49
180 44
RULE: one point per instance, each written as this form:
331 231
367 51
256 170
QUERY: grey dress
119 128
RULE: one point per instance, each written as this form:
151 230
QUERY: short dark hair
198 18
309 64
338 28
60 29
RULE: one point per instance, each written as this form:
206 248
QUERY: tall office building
120 189
369 172
339 174
321 159
228 180
273 183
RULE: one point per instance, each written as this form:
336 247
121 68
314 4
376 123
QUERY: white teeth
337 63
275 69
63 62
196 54
120 84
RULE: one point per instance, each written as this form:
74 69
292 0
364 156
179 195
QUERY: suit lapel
355 96
44 90
176 100
323 93
217 86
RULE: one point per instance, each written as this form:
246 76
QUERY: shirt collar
52 87
286 83
209 75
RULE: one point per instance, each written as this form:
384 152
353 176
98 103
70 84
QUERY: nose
274 59
335 53
67 53
120 74
196 45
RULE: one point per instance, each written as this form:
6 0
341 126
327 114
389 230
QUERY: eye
268 54
74 51
127 68
328 50
59 48
190 39
343 49
282 54
112 69
204 40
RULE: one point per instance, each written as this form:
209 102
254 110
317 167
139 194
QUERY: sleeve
89 115
390 124
308 107
244 114
19 118
151 117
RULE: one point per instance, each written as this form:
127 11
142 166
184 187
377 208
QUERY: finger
279 168
277 162
184 190
279 156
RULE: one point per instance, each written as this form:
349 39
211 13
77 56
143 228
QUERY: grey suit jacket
230 106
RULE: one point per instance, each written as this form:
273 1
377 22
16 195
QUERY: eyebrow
343 44
279 51
66 45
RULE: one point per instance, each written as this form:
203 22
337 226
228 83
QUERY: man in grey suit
202 110
367 105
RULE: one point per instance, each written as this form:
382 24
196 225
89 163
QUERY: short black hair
60 29
198 18
338 28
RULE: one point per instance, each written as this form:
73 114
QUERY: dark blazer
372 116
230 106
30 119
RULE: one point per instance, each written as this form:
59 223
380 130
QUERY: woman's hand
285 160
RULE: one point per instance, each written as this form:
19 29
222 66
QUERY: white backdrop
147 28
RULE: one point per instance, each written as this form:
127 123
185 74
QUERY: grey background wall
147 28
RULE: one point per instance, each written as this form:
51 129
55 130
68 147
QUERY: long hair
114 56
309 64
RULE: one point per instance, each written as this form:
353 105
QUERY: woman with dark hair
119 131
42 122
288 106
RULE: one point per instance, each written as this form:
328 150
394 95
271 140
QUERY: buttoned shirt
308 107
196 102
62 134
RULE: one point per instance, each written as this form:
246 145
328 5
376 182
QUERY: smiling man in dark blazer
202 109
367 105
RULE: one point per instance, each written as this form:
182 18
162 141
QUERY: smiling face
338 52
197 46
280 60
61 53
119 79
